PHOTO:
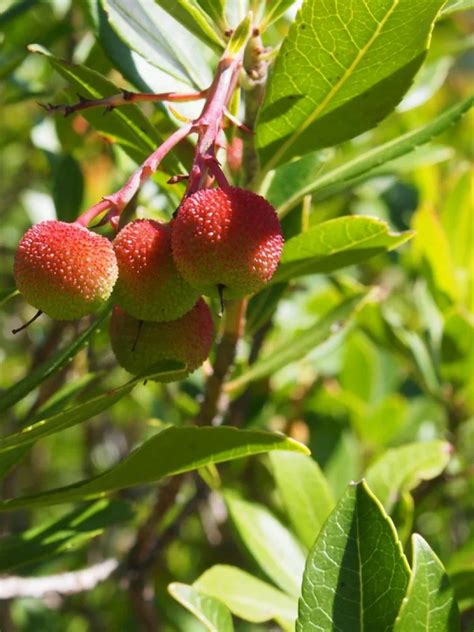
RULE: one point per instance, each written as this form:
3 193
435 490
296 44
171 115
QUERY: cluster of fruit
221 242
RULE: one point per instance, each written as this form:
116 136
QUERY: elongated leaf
68 188
7 294
275 9
247 596
215 9
452 6
172 451
360 168
332 78
77 414
401 469
160 39
429 603
69 532
127 126
195 19
274 548
336 244
291 350
356 574
10 459
213 614
306 494
51 366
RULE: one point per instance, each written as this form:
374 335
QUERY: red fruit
140 345
149 286
227 239
65 270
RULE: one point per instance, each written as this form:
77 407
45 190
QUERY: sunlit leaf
213 614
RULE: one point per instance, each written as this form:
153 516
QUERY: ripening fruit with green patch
65 270
227 241
149 286
139 345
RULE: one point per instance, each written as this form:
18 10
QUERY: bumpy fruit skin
227 238
149 286
187 339
65 270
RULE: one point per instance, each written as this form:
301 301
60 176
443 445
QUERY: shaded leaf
356 574
429 603
213 614
247 596
7 294
401 469
12 395
306 495
66 534
171 451
336 244
332 79
271 545
68 188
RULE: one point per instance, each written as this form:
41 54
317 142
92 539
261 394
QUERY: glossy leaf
171 451
12 395
306 495
356 574
195 19
361 167
336 244
63 535
271 545
331 324
160 39
429 603
213 614
401 469
248 597
77 414
332 78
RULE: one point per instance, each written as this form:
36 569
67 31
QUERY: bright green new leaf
429 603
240 36
356 574
63 535
150 31
336 244
213 614
270 543
331 324
195 19
274 10
333 78
169 452
305 492
51 366
248 597
370 162
457 349
401 469
82 412
215 9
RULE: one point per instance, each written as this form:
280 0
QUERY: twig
61 584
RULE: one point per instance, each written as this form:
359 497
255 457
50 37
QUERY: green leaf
10 459
248 597
12 395
209 611
306 495
171 451
429 603
457 350
362 167
401 469
456 5
160 39
68 188
195 19
274 10
356 574
336 244
240 36
127 126
7 294
330 325
66 534
215 9
77 414
271 545
333 79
